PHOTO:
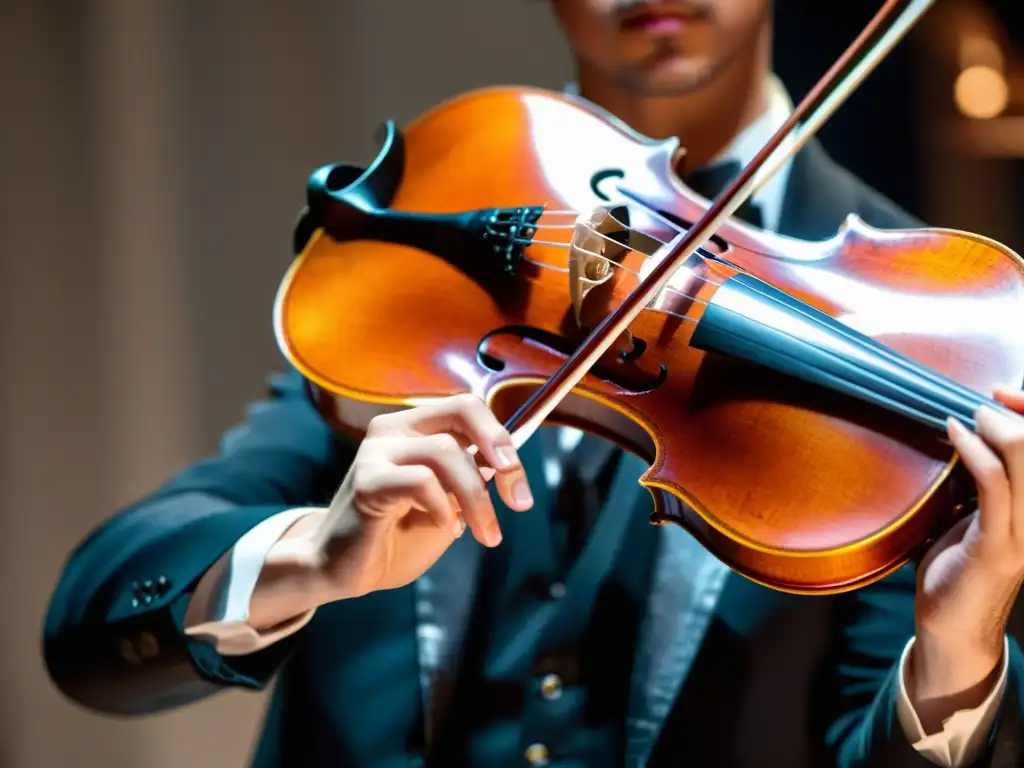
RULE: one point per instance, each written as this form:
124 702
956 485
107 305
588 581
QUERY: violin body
429 274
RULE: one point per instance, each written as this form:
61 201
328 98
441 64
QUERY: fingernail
494 534
507 456
460 528
521 492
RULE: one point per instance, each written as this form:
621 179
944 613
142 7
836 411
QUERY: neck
706 119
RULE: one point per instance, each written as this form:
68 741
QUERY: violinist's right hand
411 491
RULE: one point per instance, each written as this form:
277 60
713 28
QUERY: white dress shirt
219 609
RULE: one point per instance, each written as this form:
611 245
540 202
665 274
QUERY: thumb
934 547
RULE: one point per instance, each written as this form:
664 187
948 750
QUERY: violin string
676 228
568 246
670 313
552 226
615 265
667 289
602 235
919 409
661 310
707 256
557 244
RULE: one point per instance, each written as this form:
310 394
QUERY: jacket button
128 652
148 646
551 687
556 591
162 585
537 754
138 594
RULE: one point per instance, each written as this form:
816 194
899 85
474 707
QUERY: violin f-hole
520 349
639 347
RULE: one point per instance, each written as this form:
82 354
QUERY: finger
473 418
1011 398
391 484
458 474
514 491
989 476
486 472
469 416
1005 433
513 487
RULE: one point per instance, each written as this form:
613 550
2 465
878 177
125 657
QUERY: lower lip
660 25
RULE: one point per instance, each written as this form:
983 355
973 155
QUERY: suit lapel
444 599
686 583
819 195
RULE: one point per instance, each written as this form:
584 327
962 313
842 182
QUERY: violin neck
752 321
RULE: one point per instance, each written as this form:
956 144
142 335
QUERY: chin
672 77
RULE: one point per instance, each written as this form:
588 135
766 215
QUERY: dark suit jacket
113 638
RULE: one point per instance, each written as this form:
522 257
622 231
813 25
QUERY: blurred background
153 156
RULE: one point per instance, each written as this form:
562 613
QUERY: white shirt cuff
218 612
964 733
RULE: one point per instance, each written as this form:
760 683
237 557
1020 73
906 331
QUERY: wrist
292 581
946 675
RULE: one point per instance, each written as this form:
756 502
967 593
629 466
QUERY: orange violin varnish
456 263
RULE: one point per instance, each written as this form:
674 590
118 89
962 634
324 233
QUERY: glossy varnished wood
797 488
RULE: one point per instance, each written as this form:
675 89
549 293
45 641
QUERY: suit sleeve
859 685
113 638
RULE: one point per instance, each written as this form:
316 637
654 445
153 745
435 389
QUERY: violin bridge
592 255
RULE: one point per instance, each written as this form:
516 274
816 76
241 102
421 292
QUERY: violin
791 397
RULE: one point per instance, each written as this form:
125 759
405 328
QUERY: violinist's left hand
969 580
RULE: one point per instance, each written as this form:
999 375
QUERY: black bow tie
711 180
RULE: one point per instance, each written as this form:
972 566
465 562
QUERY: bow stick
872 45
